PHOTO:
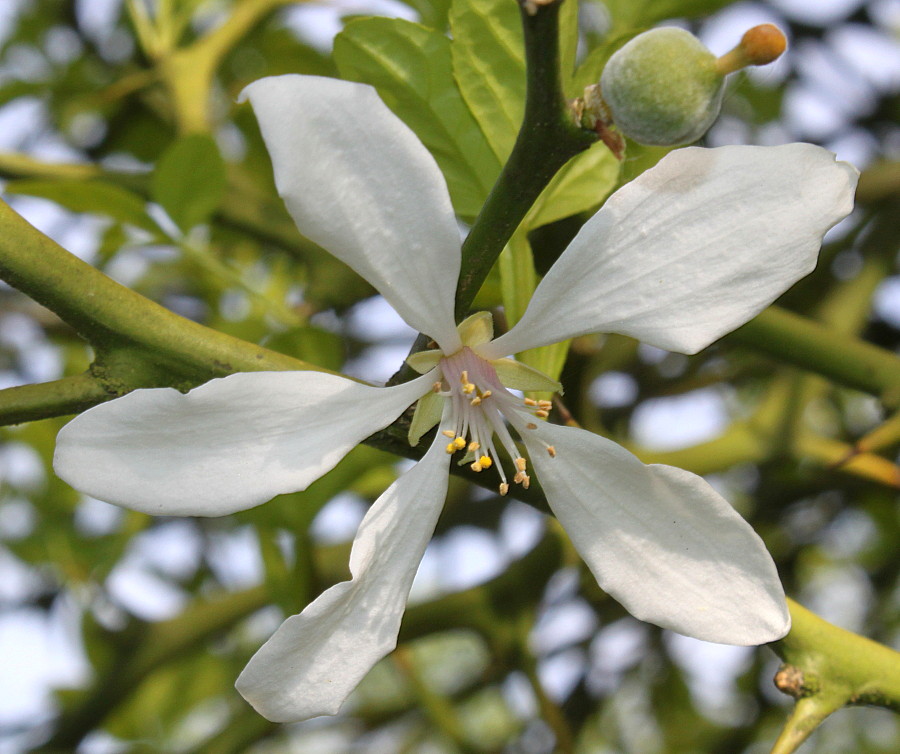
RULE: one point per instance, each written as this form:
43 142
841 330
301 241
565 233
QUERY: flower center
481 409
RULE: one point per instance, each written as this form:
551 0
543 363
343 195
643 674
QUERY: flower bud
663 87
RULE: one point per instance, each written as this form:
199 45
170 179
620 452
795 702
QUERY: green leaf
568 38
644 13
433 13
518 281
583 183
410 67
94 196
489 66
517 276
189 180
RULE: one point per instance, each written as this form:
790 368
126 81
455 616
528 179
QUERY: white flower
678 257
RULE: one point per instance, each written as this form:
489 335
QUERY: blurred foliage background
122 632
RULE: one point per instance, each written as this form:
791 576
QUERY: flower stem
549 138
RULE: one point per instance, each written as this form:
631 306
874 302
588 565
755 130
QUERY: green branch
879 181
826 668
188 72
70 395
798 340
548 139
148 648
138 343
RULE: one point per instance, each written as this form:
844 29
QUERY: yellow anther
476 466
552 451
485 462
459 443
464 377
436 387
530 402
504 488
449 433
541 414
468 388
546 405
521 463
475 401
451 448
486 394
523 479
473 446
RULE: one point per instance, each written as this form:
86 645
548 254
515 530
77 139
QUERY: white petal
360 184
315 659
226 446
661 541
692 248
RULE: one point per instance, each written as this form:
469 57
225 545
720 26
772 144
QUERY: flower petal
661 540
692 248
226 446
360 184
426 416
425 361
476 329
520 376
315 659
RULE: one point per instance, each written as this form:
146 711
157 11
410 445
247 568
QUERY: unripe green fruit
663 88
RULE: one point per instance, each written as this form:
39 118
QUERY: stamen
436 387
467 387
458 444
483 426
